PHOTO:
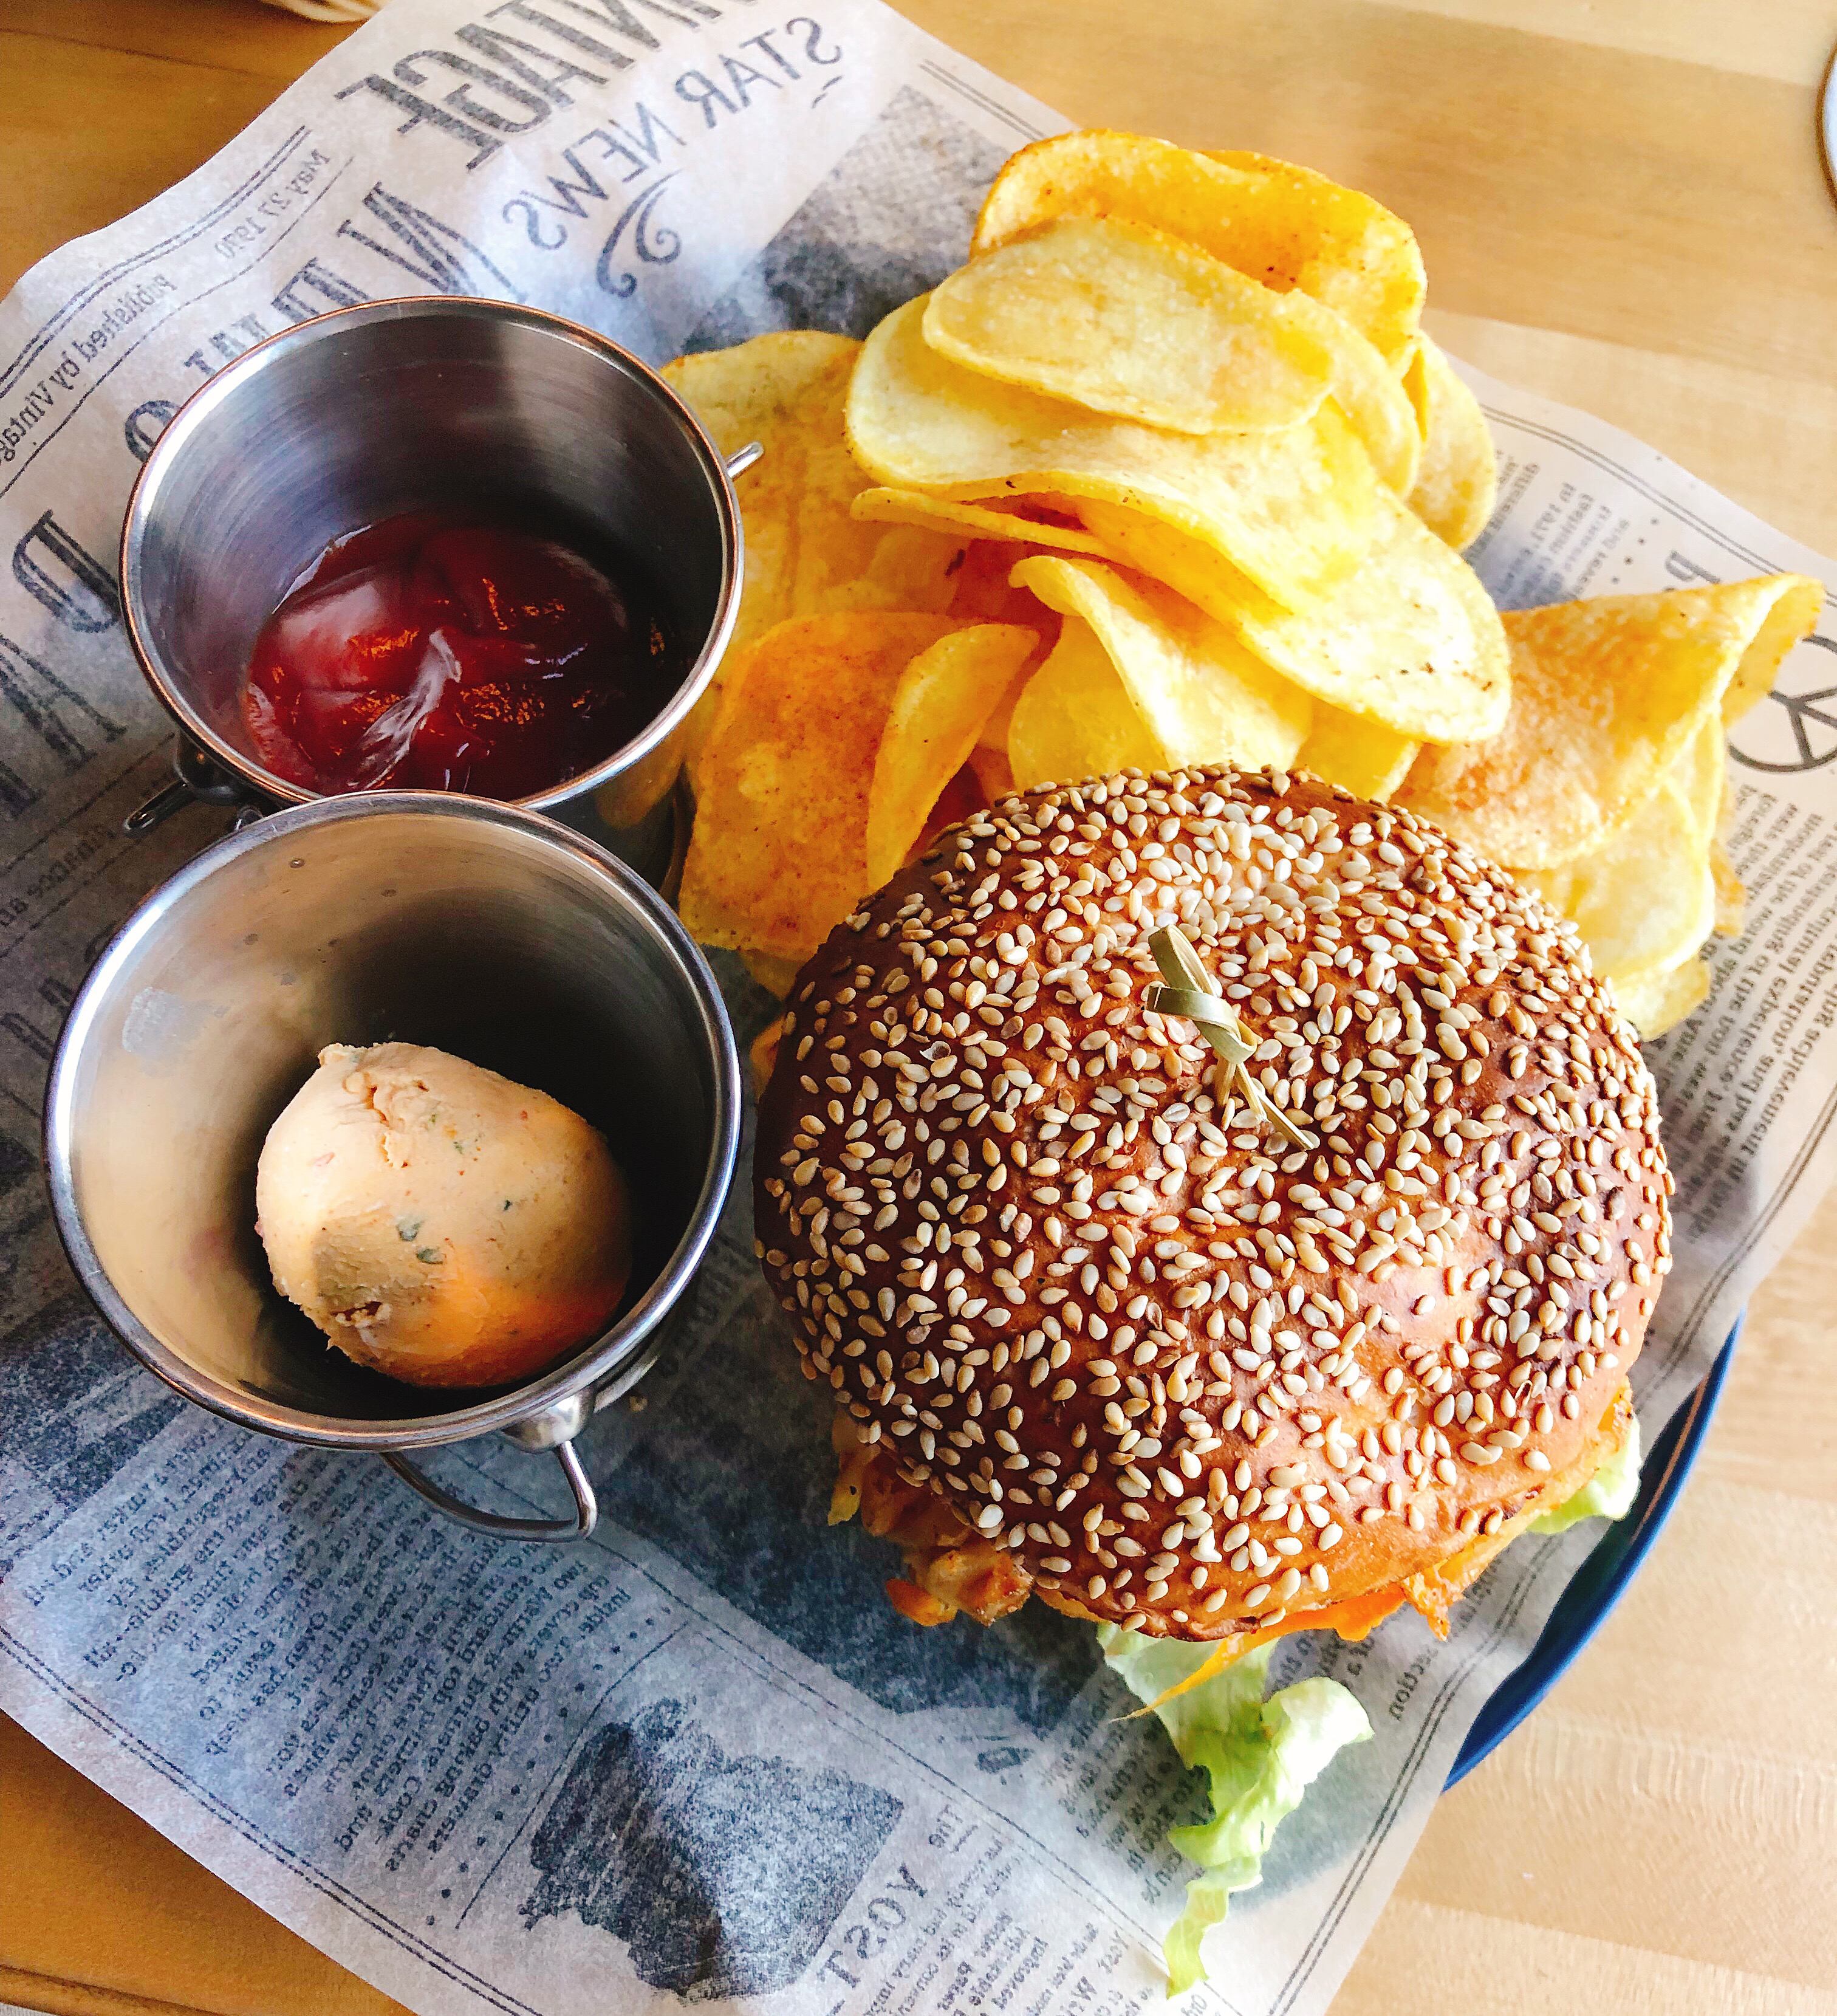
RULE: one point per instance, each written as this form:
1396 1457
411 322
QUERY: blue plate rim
1603 1577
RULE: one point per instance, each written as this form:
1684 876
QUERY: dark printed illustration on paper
889 220
721 1875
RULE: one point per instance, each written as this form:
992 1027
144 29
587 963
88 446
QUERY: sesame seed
993 1160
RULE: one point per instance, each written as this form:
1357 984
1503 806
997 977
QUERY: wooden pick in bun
1091 1334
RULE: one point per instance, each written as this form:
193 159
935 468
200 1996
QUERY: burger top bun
1193 1379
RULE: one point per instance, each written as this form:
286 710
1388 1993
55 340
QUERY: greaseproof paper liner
698 1758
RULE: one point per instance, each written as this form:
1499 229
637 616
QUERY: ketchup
431 653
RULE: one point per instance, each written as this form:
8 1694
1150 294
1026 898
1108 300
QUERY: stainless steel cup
409 405
484 930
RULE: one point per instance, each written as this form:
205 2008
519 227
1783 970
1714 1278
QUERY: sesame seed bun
1091 1336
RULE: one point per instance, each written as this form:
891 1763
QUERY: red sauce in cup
429 653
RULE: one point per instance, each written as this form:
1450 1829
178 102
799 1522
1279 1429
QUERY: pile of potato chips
1168 473
1606 789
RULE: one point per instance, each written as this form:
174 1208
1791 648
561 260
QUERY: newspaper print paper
699 1760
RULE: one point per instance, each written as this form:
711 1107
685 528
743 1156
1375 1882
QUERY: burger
1213 1355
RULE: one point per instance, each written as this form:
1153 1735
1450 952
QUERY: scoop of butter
438 1222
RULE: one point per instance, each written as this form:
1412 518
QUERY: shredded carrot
1352 1619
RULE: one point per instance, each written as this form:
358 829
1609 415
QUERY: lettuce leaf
1609 1494
1261 1756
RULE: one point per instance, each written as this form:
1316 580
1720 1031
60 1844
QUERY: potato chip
1361 260
961 798
994 774
1790 620
1122 319
767 390
985 595
779 856
1655 1002
1294 510
1699 774
1458 480
776 976
1410 639
805 554
802 551
1127 537
911 570
1606 695
944 697
1284 226
1074 717
993 736
1369 393
762 1053
845 562
1204 698
990 520
1361 755
1644 901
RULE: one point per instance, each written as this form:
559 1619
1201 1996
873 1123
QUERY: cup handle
586 1506
196 779
742 459
169 798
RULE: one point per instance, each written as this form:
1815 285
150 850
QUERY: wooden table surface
1621 204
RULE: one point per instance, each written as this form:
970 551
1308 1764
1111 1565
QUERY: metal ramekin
424 404
479 927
